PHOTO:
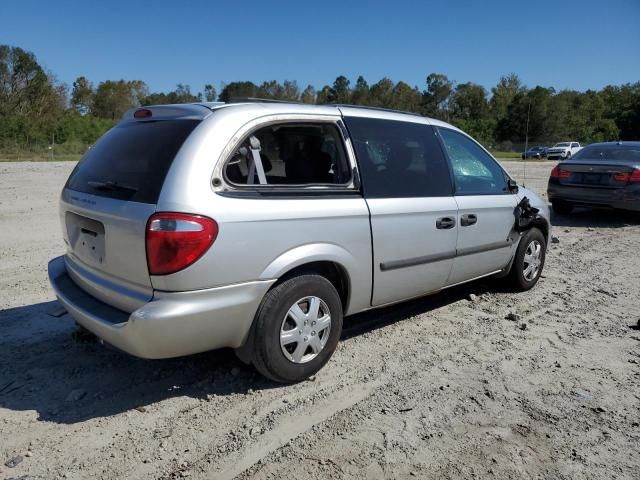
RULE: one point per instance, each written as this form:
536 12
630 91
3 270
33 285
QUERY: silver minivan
259 226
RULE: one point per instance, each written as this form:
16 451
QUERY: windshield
610 152
563 144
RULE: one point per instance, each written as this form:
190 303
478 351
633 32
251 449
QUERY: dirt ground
442 387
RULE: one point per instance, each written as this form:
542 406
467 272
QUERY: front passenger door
485 208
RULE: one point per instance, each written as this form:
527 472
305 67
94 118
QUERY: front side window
474 171
399 159
291 154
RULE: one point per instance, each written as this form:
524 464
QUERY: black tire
517 278
562 208
568 156
268 356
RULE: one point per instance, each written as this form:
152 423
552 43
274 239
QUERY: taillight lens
557 172
176 240
628 177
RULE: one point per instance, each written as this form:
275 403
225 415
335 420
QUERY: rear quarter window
130 162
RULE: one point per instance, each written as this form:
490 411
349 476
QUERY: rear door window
131 161
399 159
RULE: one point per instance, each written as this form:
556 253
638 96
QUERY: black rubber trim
412 262
77 297
484 248
290 194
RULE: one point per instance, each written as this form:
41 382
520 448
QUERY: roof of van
278 106
265 107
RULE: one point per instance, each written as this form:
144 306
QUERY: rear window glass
609 152
131 161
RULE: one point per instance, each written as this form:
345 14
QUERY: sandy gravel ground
443 387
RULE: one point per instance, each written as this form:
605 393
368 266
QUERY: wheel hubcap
532 260
305 329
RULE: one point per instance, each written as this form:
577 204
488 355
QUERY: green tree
325 95
82 96
238 89
503 94
360 94
209 93
381 93
340 91
435 99
308 95
470 111
25 88
405 97
114 97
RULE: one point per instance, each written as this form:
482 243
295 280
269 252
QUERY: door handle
468 219
445 223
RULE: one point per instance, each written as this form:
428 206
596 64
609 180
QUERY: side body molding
358 274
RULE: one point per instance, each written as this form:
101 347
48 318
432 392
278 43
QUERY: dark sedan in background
535 152
600 175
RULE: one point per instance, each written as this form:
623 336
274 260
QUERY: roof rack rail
381 109
260 100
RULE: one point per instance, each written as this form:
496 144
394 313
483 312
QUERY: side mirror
512 185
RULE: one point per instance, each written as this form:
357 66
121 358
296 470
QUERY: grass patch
507 155
36 157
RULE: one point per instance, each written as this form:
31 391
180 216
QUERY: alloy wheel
305 329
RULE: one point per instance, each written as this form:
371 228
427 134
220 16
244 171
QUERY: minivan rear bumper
172 324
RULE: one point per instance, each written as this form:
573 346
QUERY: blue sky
564 44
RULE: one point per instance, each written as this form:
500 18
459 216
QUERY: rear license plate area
593 179
86 238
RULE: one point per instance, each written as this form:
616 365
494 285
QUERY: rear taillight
176 240
627 177
621 177
557 172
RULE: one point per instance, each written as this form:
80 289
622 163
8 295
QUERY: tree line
37 111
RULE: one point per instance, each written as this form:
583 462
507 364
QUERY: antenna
526 146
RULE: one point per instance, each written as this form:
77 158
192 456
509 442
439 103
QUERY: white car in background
563 150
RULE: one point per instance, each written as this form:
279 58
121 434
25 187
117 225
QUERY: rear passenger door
485 208
407 186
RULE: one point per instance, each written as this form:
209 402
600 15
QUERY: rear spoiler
186 111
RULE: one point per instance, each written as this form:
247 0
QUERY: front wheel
297 328
529 260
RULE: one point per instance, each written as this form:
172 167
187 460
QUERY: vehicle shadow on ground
67 377
586 217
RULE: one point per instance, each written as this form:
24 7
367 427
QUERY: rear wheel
529 260
562 208
297 328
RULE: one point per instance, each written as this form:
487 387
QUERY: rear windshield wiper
110 186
